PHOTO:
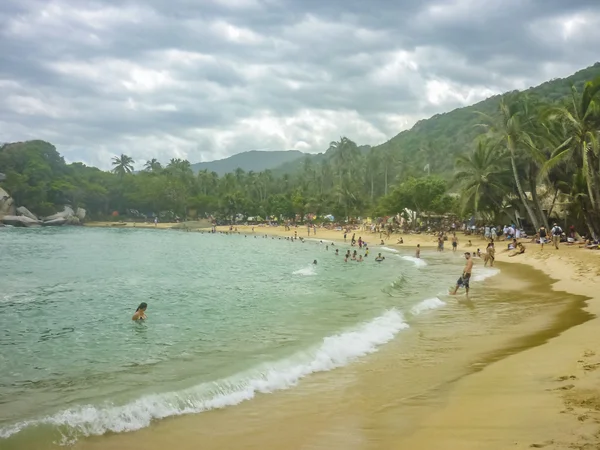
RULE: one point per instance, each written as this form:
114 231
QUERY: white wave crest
482 273
306 271
388 249
427 305
417 261
335 351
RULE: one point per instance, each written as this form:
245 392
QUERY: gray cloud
203 80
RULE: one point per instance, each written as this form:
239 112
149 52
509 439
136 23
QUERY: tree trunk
553 202
372 188
593 183
524 200
386 180
537 204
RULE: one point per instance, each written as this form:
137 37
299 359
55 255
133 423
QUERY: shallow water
229 316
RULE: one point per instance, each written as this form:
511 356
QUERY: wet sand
530 382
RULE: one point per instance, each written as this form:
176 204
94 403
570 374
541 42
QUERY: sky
205 79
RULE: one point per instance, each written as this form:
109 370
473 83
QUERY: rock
66 213
7 204
22 211
20 221
73 220
59 221
80 213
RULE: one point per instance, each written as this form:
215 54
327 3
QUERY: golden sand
518 390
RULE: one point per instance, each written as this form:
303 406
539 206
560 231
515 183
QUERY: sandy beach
545 394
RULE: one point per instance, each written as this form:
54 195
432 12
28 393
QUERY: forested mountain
438 140
520 157
254 160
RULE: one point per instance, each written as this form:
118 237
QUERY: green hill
438 140
254 160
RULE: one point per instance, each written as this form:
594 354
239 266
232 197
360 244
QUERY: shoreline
543 396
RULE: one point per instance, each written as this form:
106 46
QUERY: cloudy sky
204 79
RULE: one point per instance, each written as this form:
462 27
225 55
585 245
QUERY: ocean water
229 317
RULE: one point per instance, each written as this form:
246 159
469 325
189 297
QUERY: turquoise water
229 316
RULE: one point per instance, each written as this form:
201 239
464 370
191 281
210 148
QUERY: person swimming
140 312
315 262
379 258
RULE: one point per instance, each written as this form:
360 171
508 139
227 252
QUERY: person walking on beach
543 233
556 234
463 281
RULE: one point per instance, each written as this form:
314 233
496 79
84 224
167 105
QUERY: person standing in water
418 252
454 242
140 312
463 281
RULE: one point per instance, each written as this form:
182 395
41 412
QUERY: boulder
7 204
66 213
22 211
73 220
80 213
59 221
20 221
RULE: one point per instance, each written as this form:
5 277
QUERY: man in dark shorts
463 281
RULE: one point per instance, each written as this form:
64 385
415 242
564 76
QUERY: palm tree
482 176
388 160
153 166
581 121
122 165
373 165
509 133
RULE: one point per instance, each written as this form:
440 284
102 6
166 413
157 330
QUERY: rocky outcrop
64 214
25 218
22 211
80 213
59 221
7 204
21 221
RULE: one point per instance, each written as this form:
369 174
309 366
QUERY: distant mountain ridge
253 160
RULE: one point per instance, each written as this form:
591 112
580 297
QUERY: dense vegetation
521 156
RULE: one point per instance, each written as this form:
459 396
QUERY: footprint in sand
566 387
589 367
545 444
566 377
589 353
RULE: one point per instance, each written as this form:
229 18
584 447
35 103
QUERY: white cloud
203 80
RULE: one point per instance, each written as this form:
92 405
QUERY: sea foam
427 305
482 273
417 261
306 271
333 352
388 249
